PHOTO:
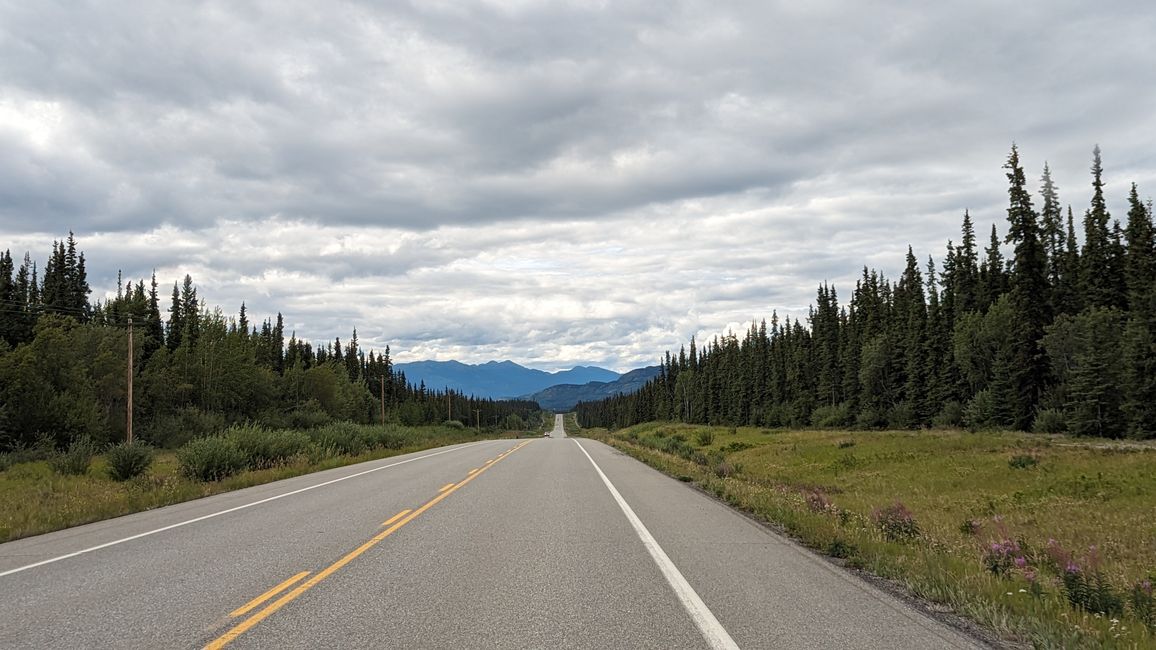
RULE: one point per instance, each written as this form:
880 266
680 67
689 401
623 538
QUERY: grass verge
1049 542
36 499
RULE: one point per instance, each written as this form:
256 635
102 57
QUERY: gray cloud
554 183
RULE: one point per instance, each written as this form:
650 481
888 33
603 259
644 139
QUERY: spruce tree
176 323
992 275
965 282
1100 271
1052 235
1029 290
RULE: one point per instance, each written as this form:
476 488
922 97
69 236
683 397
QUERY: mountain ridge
497 379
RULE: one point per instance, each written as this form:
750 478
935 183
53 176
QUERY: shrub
42 449
75 460
737 445
846 444
185 424
951 415
454 424
840 548
211 459
704 437
902 416
344 437
309 415
267 447
128 460
1022 461
871 418
981 412
387 437
896 522
832 417
1050 421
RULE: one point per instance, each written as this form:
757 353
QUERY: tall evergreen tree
1029 290
992 274
1099 272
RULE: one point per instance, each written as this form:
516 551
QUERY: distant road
544 543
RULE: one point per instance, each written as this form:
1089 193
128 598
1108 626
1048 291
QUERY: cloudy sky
553 183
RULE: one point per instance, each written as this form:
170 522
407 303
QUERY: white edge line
712 631
225 512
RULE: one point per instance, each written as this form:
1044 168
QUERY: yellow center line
396 517
446 487
244 609
473 470
248 623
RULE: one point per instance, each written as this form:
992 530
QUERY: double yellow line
393 524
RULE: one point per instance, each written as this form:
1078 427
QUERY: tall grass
1045 540
36 499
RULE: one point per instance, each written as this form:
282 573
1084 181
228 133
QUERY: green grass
35 499
570 424
964 491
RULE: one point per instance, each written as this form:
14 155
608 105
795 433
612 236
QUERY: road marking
396 517
252 604
473 470
446 487
248 623
227 511
712 631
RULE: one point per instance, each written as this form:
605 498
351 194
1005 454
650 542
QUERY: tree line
63 366
1060 337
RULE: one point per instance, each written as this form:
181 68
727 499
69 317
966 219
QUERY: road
545 543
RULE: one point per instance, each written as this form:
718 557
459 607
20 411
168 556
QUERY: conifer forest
1058 337
64 359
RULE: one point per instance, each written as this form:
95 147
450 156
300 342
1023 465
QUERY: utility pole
478 418
383 400
449 407
128 413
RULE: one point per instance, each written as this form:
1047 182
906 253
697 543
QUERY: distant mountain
496 379
564 397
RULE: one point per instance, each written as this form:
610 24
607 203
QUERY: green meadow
1047 541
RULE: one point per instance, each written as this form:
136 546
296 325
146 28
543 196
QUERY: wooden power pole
128 412
383 400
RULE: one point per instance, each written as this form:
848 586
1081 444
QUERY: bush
128 460
902 416
841 549
42 449
1050 421
980 413
951 415
832 417
75 460
704 437
1022 461
871 418
176 429
454 424
343 437
211 459
896 522
309 415
267 447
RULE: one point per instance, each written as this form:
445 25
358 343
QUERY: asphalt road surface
545 543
